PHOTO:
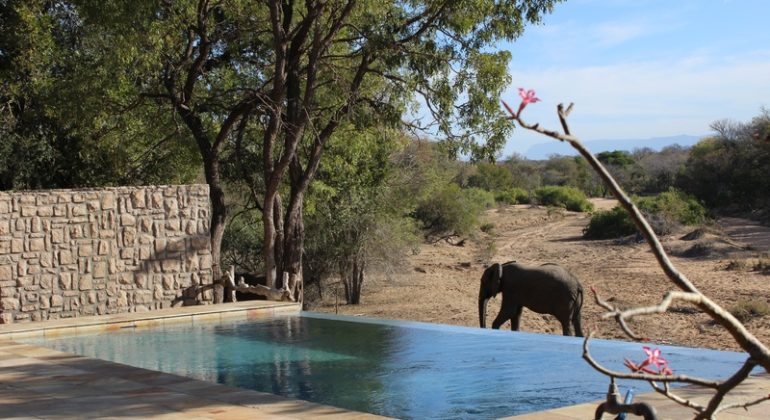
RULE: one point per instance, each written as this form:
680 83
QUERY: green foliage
481 198
567 197
448 212
491 177
730 169
663 212
616 158
674 205
606 224
513 196
488 228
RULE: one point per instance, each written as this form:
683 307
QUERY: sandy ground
441 282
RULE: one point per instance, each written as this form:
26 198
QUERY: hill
544 150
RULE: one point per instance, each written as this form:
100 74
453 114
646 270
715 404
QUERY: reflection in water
404 370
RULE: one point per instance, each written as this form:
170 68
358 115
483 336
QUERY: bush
567 197
479 197
663 212
746 309
675 206
451 211
513 196
608 224
488 228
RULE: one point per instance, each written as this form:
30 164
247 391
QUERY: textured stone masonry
67 253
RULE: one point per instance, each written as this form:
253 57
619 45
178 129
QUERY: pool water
398 369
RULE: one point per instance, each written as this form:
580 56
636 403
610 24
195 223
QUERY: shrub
450 211
745 309
674 205
479 197
607 224
663 212
567 197
513 196
488 228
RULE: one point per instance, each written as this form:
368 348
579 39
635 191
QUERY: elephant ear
496 271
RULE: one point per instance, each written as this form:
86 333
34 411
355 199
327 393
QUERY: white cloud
647 99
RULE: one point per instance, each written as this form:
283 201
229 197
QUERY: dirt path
441 283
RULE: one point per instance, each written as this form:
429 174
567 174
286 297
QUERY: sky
639 69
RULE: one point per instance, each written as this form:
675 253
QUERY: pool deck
37 382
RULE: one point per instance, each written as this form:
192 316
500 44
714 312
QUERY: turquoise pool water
398 369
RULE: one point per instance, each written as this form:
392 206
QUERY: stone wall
66 253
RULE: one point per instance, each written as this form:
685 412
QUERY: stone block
173 225
85 250
6 318
171 206
158 292
78 210
57 301
35 225
46 281
78 197
170 265
168 281
57 236
160 246
5 207
129 236
5 247
85 282
46 259
65 281
205 262
175 245
93 206
126 278
45 302
36 244
137 198
9 304
141 280
59 210
103 248
127 253
127 220
108 201
65 258
8 289
145 253
6 272
21 268
5 227
28 211
17 245
156 200
45 211
100 270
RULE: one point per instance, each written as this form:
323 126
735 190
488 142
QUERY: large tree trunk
218 221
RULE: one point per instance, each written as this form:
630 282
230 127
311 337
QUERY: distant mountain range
544 150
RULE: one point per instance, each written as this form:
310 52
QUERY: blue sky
643 68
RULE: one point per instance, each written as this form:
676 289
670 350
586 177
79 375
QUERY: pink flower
527 96
653 359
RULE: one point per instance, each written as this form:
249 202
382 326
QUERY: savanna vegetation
299 117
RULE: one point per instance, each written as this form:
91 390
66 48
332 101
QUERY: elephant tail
576 313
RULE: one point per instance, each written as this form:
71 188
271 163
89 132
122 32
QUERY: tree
285 75
65 123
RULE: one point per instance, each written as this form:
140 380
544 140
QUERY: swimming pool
397 369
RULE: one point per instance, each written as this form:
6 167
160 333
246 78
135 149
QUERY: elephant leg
565 327
516 318
505 314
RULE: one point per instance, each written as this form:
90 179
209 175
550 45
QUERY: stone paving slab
754 387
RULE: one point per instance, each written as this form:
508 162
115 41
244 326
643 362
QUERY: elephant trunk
483 312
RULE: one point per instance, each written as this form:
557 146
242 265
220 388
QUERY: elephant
545 289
